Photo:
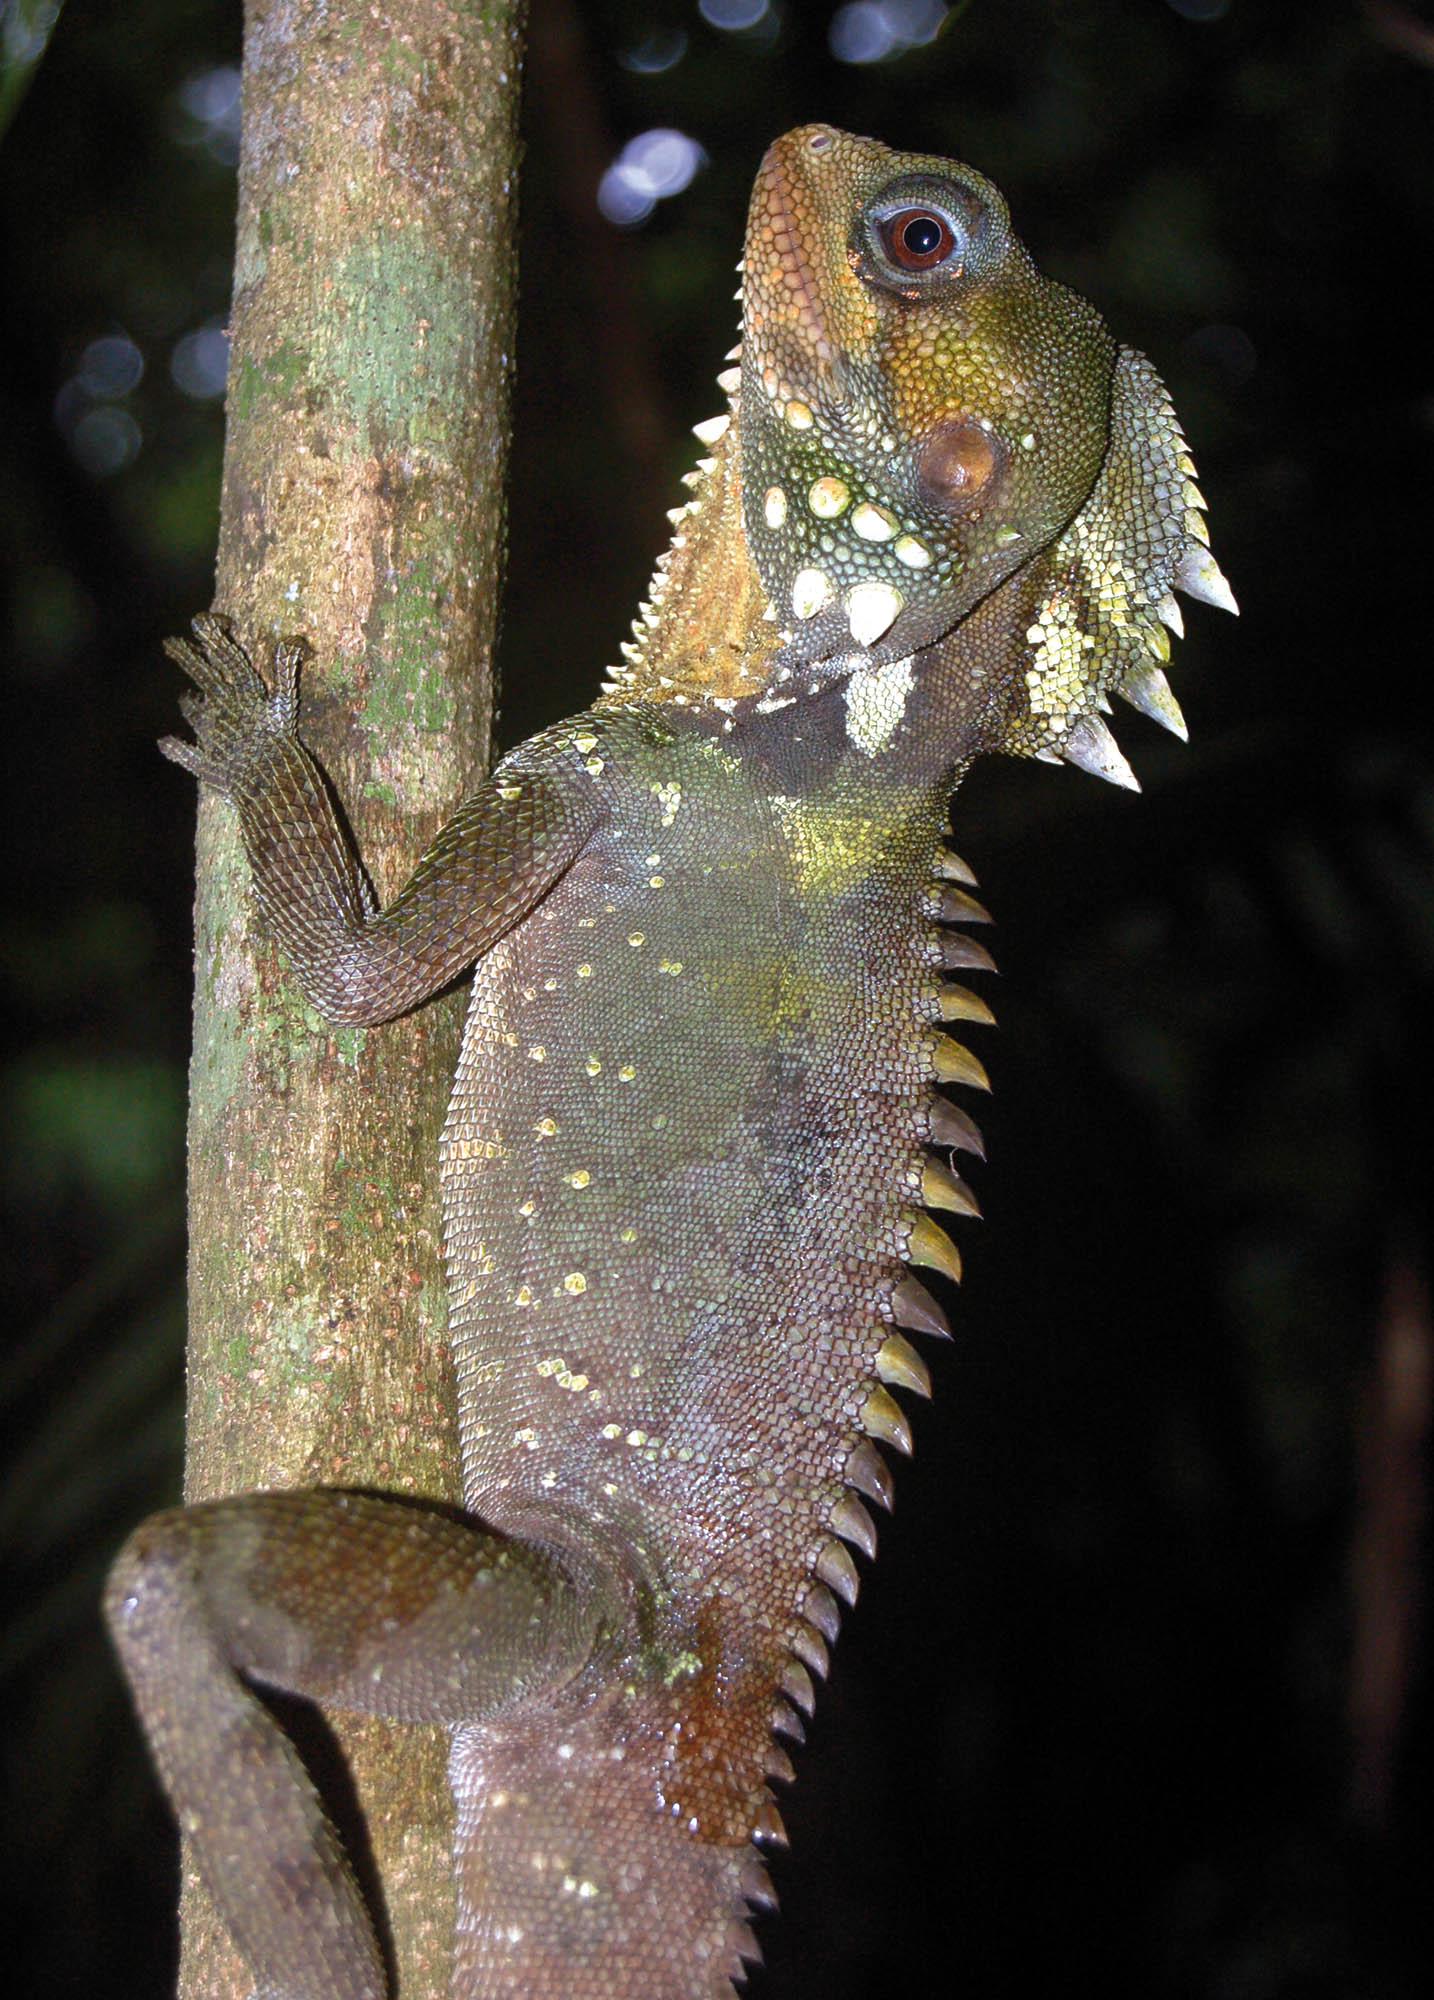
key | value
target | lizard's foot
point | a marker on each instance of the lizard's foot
(236, 715)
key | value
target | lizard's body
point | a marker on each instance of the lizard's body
(698, 1252)
(691, 1134)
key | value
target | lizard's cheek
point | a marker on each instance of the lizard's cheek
(961, 467)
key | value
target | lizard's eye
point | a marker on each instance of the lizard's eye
(917, 239)
(921, 232)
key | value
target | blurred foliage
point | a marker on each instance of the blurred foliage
(1096, 1719)
(25, 30)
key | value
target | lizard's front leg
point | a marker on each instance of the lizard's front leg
(498, 855)
(370, 1604)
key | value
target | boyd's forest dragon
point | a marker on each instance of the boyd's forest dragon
(700, 1115)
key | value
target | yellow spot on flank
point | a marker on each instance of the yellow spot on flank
(585, 743)
(653, 860)
(510, 791)
(523, 1296)
(611, 1431)
(798, 416)
(627, 1072)
(636, 937)
(637, 1437)
(669, 797)
(552, 1364)
(672, 965)
(546, 1126)
(574, 1283)
(474, 1149)
(627, 1235)
(656, 881)
(585, 972)
(774, 507)
(528, 1207)
(828, 497)
(593, 1066)
(538, 1053)
(580, 1179)
(593, 766)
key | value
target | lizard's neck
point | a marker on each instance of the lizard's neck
(706, 641)
(702, 637)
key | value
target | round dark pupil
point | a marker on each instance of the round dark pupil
(922, 235)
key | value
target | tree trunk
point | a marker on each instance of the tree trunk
(368, 399)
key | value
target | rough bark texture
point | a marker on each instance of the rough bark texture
(372, 331)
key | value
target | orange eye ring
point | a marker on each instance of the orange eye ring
(917, 239)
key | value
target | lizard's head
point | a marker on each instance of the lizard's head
(920, 408)
(923, 415)
(937, 452)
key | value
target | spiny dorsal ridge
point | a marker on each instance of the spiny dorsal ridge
(1089, 745)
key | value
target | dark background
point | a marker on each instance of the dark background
(1137, 1699)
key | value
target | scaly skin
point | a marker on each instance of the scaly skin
(698, 1115)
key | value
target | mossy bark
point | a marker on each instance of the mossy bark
(368, 401)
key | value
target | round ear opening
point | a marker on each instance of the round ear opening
(960, 466)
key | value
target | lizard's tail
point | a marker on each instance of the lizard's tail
(581, 1876)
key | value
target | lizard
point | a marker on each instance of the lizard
(700, 1125)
